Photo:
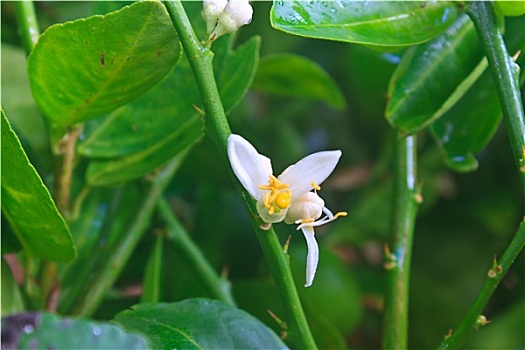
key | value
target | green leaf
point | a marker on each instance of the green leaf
(46, 331)
(11, 298)
(28, 206)
(432, 77)
(120, 170)
(198, 324)
(293, 75)
(469, 126)
(135, 138)
(152, 277)
(18, 102)
(236, 72)
(83, 69)
(377, 23)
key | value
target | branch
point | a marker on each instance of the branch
(218, 130)
(397, 262)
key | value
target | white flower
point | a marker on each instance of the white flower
(225, 16)
(287, 197)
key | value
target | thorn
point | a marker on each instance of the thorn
(390, 259)
(482, 321)
(516, 55)
(495, 270)
(281, 324)
(200, 111)
(449, 334)
(287, 244)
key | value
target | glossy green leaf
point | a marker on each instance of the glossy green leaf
(83, 69)
(120, 170)
(468, 126)
(143, 135)
(28, 206)
(432, 77)
(11, 298)
(377, 23)
(198, 324)
(47, 331)
(297, 76)
(151, 285)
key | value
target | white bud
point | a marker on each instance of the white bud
(211, 9)
(234, 15)
(308, 206)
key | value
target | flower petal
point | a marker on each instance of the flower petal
(313, 255)
(251, 168)
(313, 168)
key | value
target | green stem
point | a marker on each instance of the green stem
(152, 281)
(200, 58)
(397, 265)
(219, 287)
(217, 128)
(27, 24)
(106, 278)
(505, 74)
(499, 269)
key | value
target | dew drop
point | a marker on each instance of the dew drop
(96, 331)
(28, 329)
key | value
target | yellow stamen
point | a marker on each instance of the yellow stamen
(306, 221)
(278, 196)
(341, 213)
(315, 186)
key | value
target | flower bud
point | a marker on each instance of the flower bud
(229, 18)
(211, 9)
(308, 206)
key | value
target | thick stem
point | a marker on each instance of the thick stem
(200, 58)
(219, 287)
(217, 128)
(27, 24)
(473, 319)
(398, 258)
(107, 276)
(505, 74)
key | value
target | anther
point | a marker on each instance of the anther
(341, 213)
(315, 186)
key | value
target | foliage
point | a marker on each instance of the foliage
(116, 193)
